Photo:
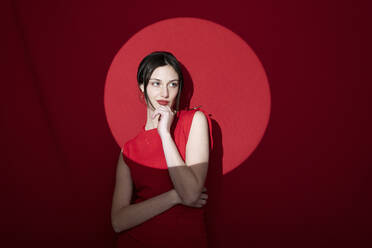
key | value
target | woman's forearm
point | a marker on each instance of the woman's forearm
(184, 179)
(135, 214)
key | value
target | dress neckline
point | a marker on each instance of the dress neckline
(149, 130)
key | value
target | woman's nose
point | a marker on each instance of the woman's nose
(164, 92)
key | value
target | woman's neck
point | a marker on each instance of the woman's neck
(151, 123)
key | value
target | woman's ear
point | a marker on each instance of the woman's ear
(141, 87)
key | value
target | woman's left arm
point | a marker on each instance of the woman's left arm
(188, 176)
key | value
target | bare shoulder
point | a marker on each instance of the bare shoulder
(121, 165)
(199, 126)
(122, 170)
(199, 120)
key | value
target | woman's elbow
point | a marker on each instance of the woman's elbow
(115, 225)
(116, 229)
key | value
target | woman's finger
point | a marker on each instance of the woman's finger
(167, 109)
(203, 196)
(156, 112)
(201, 201)
(159, 112)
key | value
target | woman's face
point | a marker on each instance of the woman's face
(163, 86)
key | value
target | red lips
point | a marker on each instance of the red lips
(162, 102)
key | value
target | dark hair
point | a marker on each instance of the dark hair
(153, 61)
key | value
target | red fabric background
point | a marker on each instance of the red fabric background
(306, 185)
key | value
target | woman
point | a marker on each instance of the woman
(159, 194)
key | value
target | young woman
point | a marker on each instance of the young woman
(159, 193)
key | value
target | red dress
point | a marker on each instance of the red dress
(179, 226)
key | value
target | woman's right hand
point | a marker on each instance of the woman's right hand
(202, 200)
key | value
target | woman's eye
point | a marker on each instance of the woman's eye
(155, 83)
(174, 84)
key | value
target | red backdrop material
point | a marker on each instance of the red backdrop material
(307, 183)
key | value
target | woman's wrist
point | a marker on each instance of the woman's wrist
(165, 135)
(174, 197)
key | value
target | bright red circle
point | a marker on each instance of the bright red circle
(228, 78)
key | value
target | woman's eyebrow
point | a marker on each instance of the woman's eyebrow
(160, 80)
